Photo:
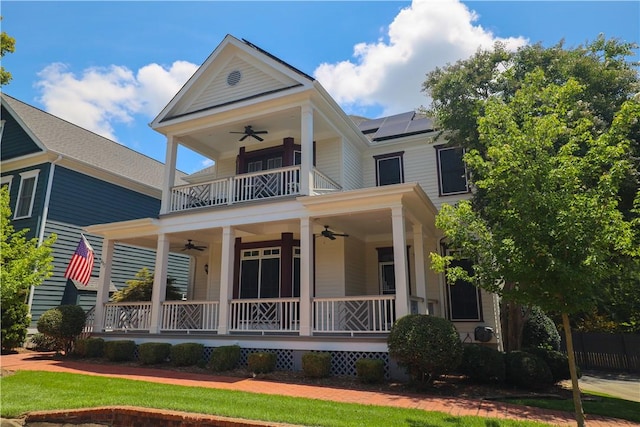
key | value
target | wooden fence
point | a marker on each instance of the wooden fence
(606, 351)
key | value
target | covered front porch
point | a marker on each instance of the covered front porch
(271, 269)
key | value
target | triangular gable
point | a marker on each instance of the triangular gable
(234, 72)
(17, 140)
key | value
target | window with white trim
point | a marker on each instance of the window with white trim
(452, 172)
(26, 194)
(260, 273)
(389, 168)
(463, 297)
(6, 180)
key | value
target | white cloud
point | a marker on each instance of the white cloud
(103, 96)
(389, 74)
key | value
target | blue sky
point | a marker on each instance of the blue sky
(111, 66)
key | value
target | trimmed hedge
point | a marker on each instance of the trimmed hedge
(557, 361)
(186, 354)
(539, 331)
(370, 370)
(261, 363)
(120, 350)
(64, 323)
(527, 370)
(90, 347)
(224, 358)
(483, 364)
(316, 364)
(151, 353)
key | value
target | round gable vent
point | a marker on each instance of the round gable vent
(234, 77)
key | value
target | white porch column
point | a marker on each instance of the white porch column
(104, 282)
(159, 282)
(306, 143)
(400, 262)
(169, 174)
(226, 278)
(306, 276)
(421, 274)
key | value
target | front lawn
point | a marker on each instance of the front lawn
(27, 391)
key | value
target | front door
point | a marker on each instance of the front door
(387, 278)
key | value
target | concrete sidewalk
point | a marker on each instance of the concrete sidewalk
(450, 405)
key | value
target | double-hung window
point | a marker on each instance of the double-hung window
(389, 168)
(463, 297)
(452, 172)
(26, 194)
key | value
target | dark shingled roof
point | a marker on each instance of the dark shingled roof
(396, 126)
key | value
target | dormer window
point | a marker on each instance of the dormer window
(389, 168)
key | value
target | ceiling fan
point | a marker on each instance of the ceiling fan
(249, 132)
(189, 245)
(331, 235)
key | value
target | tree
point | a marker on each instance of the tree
(141, 287)
(461, 92)
(22, 264)
(63, 323)
(549, 222)
(7, 45)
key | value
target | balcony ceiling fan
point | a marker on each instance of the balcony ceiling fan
(249, 132)
(189, 245)
(331, 235)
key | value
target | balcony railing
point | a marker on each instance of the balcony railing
(127, 316)
(190, 315)
(246, 187)
(362, 314)
(265, 315)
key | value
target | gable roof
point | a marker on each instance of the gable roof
(61, 137)
(242, 72)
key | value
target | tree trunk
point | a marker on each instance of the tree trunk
(577, 402)
(512, 324)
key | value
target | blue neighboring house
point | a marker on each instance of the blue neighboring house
(62, 178)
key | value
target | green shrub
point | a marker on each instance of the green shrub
(119, 350)
(151, 353)
(483, 364)
(370, 370)
(426, 346)
(540, 331)
(186, 354)
(527, 370)
(316, 364)
(224, 358)
(64, 323)
(42, 342)
(261, 363)
(557, 361)
(90, 347)
(14, 321)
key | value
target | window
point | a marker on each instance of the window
(452, 172)
(26, 194)
(6, 180)
(260, 273)
(464, 297)
(389, 169)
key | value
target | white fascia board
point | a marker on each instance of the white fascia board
(28, 160)
(125, 229)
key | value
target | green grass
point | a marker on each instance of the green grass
(28, 391)
(593, 403)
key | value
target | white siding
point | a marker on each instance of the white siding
(329, 271)
(352, 166)
(226, 167)
(328, 159)
(355, 267)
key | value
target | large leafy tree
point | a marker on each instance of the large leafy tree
(549, 222)
(140, 288)
(7, 45)
(607, 77)
(22, 264)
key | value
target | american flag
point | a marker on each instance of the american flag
(81, 264)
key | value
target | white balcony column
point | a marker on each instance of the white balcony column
(226, 278)
(306, 143)
(421, 273)
(104, 282)
(159, 282)
(306, 276)
(400, 262)
(169, 174)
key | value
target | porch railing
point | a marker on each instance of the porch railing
(360, 314)
(190, 315)
(246, 187)
(265, 315)
(132, 316)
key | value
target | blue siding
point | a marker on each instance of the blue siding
(83, 200)
(127, 260)
(15, 141)
(34, 221)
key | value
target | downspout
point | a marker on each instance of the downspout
(43, 223)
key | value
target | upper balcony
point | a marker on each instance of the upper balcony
(247, 187)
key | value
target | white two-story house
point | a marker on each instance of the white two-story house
(311, 231)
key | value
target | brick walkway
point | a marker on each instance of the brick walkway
(453, 406)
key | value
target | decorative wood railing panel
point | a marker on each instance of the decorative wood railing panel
(132, 316)
(265, 315)
(190, 315)
(354, 314)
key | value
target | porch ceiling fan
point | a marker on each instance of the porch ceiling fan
(331, 235)
(189, 245)
(249, 132)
